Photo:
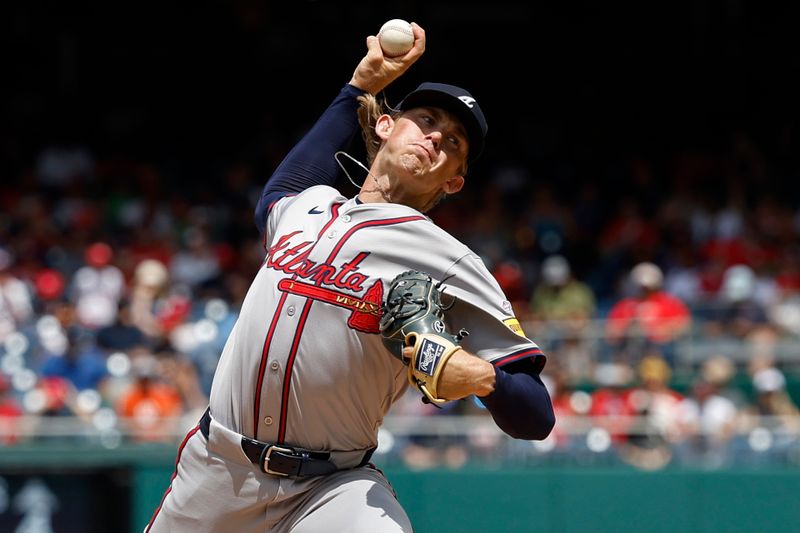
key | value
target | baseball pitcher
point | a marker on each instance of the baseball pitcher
(346, 313)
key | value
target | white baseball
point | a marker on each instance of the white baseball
(396, 37)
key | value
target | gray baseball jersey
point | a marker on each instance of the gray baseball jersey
(305, 366)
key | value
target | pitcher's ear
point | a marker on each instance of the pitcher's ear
(384, 126)
(453, 185)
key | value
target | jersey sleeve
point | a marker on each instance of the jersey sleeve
(277, 209)
(481, 307)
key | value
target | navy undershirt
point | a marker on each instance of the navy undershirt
(520, 403)
(311, 161)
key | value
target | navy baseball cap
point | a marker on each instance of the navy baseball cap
(457, 101)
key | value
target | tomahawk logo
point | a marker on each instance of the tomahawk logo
(467, 100)
(430, 352)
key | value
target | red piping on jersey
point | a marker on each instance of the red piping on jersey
(289, 365)
(262, 367)
(174, 475)
(386, 222)
(334, 216)
(287, 379)
(522, 354)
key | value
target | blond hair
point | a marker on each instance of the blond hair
(369, 110)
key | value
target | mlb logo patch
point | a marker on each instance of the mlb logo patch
(429, 354)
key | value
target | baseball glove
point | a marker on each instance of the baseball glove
(413, 315)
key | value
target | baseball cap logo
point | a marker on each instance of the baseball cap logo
(467, 100)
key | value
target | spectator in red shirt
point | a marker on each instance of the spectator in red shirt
(10, 411)
(651, 318)
(611, 407)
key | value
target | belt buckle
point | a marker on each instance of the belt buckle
(267, 458)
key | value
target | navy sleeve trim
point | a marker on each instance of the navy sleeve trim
(535, 354)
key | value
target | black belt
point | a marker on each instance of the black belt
(284, 460)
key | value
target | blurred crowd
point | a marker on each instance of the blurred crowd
(668, 305)
(115, 301)
(633, 416)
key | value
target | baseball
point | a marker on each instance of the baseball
(396, 37)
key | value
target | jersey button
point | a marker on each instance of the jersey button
(346, 218)
(268, 421)
(332, 234)
(274, 366)
(290, 310)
